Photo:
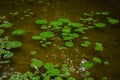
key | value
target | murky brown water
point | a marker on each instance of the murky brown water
(73, 10)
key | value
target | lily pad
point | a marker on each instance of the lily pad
(49, 66)
(99, 25)
(36, 63)
(85, 44)
(63, 20)
(98, 47)
(112, 20)
(18, 32)
(97, 60)
(14, 44)
(88, 64)
(69, 44)
(6, 25)
(47, 34)
(41, 22)
(1, 31)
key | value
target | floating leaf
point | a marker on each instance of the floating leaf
(98, 47)
(106, 63)
(112, 20)
(71, 78)
(100, 25)
(58, 78)
(87, 73)
(105, 13)
(14, 44)
(36, 37)
(97, 60)
(49, 66)
(18, 32)
(63, 20)
(6, 25)
(47, 34)
(85, 44)
(69, 44)
(56, 23)
(53, 72)
(36, 63)
(33, 52)
(66, 29)
(8, 55)
(75, 24)
(87, 65)
(41, 22)
(1, 31)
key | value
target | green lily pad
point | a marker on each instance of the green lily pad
(71, 78)
(63, 20)
(41, 22)
(112, 20)
(66, 29)
(36, 37)
(49, 66)
(8, 55)
(97, 60)
(6, 25)
(88, 65)
(99, 25)
(36, 63)
(14, 44)
(106, 63)
(98, 47)
(47, 34)
(18, 32)
(1, 31)
(69, 44)
(85, 44)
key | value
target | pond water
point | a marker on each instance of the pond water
(52, 10)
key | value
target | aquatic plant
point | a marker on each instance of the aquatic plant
(1, 31)
(63, 20)
(75, 24)
(35, 63)
(41, 22)
(87, 19)
(14, 13)
(48, 66)
(90, 78)
(85, 43)
(6, 25)
(105, 13)
(33, 52)
(66, 29)
(69, 44)
(112, 20)
(97, 60)
(88, 64)
(18, 32)
(87, 73)
(46, 35)
(14, 44)
(89, 14)
(99, 25)
(5, 46)
(98, 46)
(56, 23)
(106, 63)
(80, 29)
(37, 37)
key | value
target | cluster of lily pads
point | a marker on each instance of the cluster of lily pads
(47, 71)
(89, 64)
(26, 13)
(5, 44)
(71, 30)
